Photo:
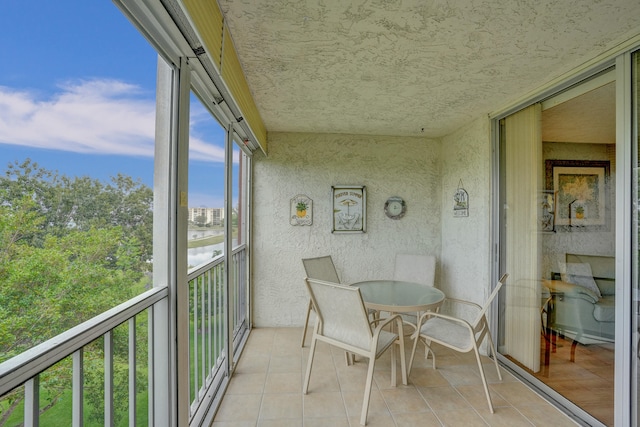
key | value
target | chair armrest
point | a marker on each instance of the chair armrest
(571, 290)
(459, 301)
(461, 309)
(429, 314)
(384, 322)
(585, 294)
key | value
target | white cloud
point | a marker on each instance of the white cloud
(93, 116)
(200, 150)
(98, 116)
(201, 124)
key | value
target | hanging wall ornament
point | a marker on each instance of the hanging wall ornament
(460, 201)
(301, 210)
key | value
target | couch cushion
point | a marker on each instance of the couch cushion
(607, 286)
(579, 274)
(605, 309)
(603, 268)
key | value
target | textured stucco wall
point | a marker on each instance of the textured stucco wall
(465, 257)
(310, 164)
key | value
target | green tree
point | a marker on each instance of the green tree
(69, 279)
(200, 220)
(70, 249)
(82, 203)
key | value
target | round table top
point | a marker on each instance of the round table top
(398, 296)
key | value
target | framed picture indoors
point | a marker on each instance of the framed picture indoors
(349, 208)
(581, 188)
(547, 211)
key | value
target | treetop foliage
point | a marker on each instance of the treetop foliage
(70, 248)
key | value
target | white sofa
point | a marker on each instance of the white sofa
(584, 314)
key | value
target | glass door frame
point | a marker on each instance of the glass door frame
(625, 387)
(625, 407)
(635, 228)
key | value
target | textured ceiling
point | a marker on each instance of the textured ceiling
(590, 117)
(411, 67)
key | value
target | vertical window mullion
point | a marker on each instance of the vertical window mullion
(217, 307)
(108, 379)
(203, 315)
(210, 322)
(132, 371)
(78, 388)
(194, 337)
(150, 366)
(32, 402)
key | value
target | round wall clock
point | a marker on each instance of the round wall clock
(395, 207)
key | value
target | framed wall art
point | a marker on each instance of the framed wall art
(547, 211)
(349, 208)
(301, 210)
(582, 200)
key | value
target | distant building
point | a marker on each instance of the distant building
(212, 216)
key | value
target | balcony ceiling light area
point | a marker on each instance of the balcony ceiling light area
(411, 67)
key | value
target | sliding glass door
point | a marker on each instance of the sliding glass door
(558, 243)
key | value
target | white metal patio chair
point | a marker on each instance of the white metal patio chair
(321, 268)
(459, 334)
(417, 269)
(343, 322)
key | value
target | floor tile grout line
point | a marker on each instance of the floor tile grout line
(462, 362)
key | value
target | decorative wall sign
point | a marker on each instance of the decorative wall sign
(301, 210)
(582, 193)
(460, 202)
(547, 212)
(349, 208)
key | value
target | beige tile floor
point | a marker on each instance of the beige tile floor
(266, 390)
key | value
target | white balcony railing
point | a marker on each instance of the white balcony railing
(20, 377)
(208, 326)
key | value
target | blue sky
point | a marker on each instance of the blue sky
(77, 95)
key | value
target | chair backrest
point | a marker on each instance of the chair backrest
(489, 300)
(341, 313)
(321, 268)
(415, 268)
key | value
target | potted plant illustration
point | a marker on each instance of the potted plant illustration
(301, 209)
(579, 212)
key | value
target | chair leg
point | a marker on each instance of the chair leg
(572, 358)
(307, 375)
(350, 357)
(484, 379)
(413, 353)
(495, 355)
(367, 391)
(427, 350)
(306, 323)
(403, 361)
(394, 365)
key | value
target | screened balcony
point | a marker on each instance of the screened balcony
(218, 341)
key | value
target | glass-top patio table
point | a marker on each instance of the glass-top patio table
(396, 296)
